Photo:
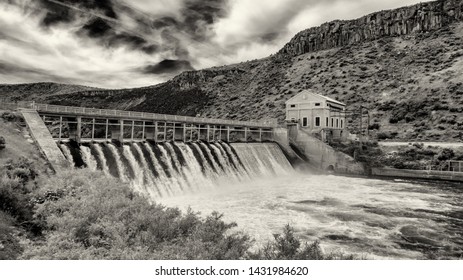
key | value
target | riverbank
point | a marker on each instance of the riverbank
(417, 174)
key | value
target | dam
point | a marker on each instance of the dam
(159, 170)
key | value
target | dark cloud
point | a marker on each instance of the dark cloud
(56, 13)
(168, 66)
(200, 14)
(62, 11)
(97, 28)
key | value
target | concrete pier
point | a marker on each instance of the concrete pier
(45, 141)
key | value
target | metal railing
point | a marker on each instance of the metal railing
(82, 111)
(449, 166)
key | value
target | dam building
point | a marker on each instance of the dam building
(317, 114)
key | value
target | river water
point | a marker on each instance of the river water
(376, 219)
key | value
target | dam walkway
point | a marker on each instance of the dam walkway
(89, 124)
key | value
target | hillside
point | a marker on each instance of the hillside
(404, 65)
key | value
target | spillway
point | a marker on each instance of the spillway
(168, 169)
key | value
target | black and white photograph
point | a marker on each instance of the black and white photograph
(220, 130)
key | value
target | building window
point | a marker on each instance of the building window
(317, 121)
(317, 104)
(337, 123)
(327, 122)
(293, 105)
(341, 123)
(332, 122)
(305, 122)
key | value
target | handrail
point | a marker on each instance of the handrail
(48, 108)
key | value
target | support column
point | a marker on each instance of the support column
(228, 134)
(121, 131)
(208, 133)
(143, 131)
(165, 131)
(184, 133)
(191, 134)
(260, 134)
(106, 130)
(245, 134)
(132, 132)
(156, 132)
(60, 128)
(79, 129)
(93, 129)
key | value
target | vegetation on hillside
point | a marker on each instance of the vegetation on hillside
(419, 157)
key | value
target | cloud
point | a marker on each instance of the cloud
(168, 66)
(130, 43)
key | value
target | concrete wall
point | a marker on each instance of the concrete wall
(417, 174)
(319, 154)
(280, 135)
(42, 136)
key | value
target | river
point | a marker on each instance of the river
(375, 219)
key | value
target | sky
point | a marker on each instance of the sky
(135, 43)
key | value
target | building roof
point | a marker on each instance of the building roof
(317, 95)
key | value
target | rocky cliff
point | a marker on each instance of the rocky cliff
(403, 21)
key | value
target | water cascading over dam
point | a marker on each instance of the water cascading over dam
(172, 168)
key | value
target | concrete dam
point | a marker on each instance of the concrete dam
(166, 155)
(167, 169)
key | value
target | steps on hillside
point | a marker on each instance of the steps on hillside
(44, 139)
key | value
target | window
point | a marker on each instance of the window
(317, 121)
(327, 122)
(305, 122)
(341, 123)
(293, 106)
(317, 104)
(337, 123)
(332, 122)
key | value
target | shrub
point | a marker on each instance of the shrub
(2, 143)
(287, 247)
(16, 192)
(89, 216)
(10, 249)
(374, 126)
(446, 154)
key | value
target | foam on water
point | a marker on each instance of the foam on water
(373, 218)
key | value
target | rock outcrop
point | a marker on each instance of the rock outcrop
(417, 18)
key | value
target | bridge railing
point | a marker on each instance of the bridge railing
(59, 109)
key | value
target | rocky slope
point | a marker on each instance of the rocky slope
(405, 66)
(403, 21)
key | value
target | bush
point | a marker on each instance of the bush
(9, 117)
(446, 154)
(2, 143)
(16, 186)
(10, 249)
(374, 126)
(89, 216)
(287, 247)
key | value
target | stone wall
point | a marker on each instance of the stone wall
(417, 18)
